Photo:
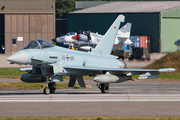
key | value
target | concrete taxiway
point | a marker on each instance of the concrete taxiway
(128, 99)
(90, 95)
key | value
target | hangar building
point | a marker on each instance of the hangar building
(24, 20)
(158, 19)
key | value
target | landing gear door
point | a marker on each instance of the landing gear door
(57, 78)
(58, 69)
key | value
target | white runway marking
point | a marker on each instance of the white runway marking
(91, 98)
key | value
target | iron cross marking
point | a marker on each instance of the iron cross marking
(67, 58)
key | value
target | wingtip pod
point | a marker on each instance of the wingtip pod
(167, 70)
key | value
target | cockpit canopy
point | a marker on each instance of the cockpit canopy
(38, 44)
(71, 33)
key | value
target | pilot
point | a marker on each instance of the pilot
(89, 36)
(79, 32)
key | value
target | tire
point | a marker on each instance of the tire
(52, 87)
(46, 91)
(105, 88)
(52, 90)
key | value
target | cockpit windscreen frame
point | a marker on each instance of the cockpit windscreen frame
(38, 44)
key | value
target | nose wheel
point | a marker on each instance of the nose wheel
(104, 87)
(49, 88)
(46, 90)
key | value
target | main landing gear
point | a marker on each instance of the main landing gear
(49, 88)
(104, 87)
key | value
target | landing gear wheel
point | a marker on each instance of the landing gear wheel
(52, 90)
(52, 87)
(46, 91)
(104, 88)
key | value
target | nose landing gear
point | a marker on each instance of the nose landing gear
(49, 88)
(46, 90)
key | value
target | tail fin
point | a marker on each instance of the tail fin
(124, 35)
(105, 46)
(124, 32)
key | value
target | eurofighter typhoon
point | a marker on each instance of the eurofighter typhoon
(50, 63)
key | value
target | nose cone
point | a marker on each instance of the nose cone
(76, 37)
(54, 40)
(20, 57)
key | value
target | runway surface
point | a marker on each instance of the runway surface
(128, 99)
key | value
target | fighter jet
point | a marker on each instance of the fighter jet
(66, 39)
(122, 38)
(50, 62)
(72, 37)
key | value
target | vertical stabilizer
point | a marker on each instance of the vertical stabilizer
(123, 35)
(124, 32)
(105, 46)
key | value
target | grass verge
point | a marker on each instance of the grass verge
(92, 118)
(23, 85)
(10, 73)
